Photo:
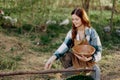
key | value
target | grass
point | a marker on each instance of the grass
(9, 62)
(48, 40)
(39, 42)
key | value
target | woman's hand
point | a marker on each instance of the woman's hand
(49, 62)
(83, 58)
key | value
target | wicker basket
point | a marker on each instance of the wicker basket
(86, 50)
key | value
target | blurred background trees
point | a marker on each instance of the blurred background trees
(38, 16)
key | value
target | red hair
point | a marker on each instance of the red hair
(84, 18)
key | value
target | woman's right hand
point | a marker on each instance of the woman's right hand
(83, 58)
(49, 62)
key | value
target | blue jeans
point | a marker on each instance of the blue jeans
(96, 75)
(66, 61)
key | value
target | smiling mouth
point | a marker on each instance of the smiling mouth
(76, 24)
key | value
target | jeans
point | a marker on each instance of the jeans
(96, 75)
(67, 64)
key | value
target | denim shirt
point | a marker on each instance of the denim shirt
(91, 36)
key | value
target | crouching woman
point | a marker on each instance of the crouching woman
(81, 34)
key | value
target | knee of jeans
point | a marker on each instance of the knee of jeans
(96, 68)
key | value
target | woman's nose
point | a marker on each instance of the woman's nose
(74, 21)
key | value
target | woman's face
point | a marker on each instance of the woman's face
(76, 20)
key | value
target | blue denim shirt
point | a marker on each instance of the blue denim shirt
(91, 36)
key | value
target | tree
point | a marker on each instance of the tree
(112, 13)
(86, 5)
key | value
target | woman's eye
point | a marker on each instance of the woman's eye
(76, 19)
(72, 19)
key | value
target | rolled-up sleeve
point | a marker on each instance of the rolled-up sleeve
(96, 43)
(65, 46)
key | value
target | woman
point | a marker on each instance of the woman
(81, 30)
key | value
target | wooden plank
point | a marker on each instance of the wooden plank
(2, 74)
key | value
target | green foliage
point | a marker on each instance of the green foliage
(19, 30)
(52, 32)
(27, 27)
(7, 63)
(80, 77)
(17, 57)
(45, 39)
(1, 19)
(32, 37)
(99, 21)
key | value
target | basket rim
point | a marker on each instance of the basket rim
(78, 53)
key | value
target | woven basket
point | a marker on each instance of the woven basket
(86, 50)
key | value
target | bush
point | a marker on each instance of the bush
(80, 77)
(27, 27)
(45, 39)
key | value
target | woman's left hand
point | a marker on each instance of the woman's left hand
(86, 58)
(83, 58)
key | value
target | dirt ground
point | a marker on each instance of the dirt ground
(110, 66)
(110, 63)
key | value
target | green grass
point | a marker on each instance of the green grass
(8, 61)
(37, 14)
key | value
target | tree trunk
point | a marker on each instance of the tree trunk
(112, 13)
(85, 5)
